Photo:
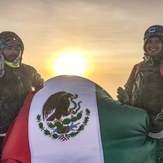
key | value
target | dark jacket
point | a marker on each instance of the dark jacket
(15, 85)
(145, 87)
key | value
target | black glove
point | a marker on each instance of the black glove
(122, 96)
(156, 129)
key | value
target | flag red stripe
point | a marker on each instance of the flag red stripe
(16, 146)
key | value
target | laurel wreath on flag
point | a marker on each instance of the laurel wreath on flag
(61, 129)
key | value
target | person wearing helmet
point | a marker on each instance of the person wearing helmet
(144, 87)
(16, 80)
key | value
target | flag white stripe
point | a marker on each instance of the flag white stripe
(85, 147)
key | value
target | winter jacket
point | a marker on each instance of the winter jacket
(145, 87)
(15, 85)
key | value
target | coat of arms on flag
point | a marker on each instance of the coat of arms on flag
(61, 121)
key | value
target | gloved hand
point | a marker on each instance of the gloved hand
(122, 96)
(2, 63)
(156, 129)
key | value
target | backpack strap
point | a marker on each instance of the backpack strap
(161, 68)
(138, 68)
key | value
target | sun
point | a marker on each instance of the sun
(70, 63)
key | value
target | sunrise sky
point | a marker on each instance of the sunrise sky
(108, 34)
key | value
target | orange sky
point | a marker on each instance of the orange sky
(108, 32)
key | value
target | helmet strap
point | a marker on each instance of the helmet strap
(2, 62)
(18, 60)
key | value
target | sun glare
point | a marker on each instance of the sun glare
(70, 63)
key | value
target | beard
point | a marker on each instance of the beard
(155, 58)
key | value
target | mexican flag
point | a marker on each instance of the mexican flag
(73, 120)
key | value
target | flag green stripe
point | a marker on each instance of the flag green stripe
(123, 132)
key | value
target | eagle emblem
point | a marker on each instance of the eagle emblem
(62, 116)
